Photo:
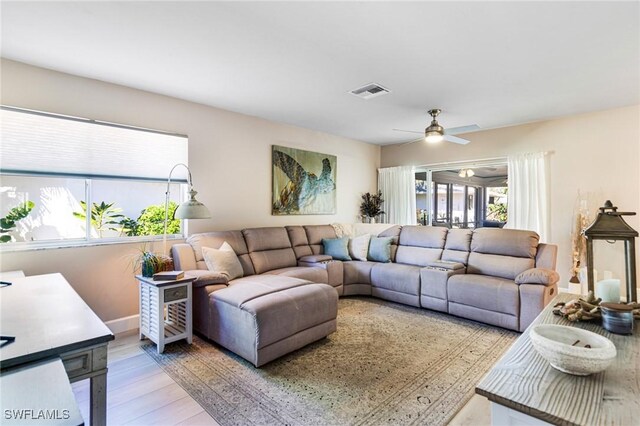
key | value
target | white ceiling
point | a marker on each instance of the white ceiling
(490, 63)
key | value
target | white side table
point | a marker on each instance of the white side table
(165, 310)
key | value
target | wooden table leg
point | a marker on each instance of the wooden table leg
(98, 398)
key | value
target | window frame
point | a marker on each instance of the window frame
(88, 241)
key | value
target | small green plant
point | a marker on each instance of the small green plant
(130, 227)
(497, 212)
(371, 205)
(8, 223)
(151, 220)
(103, 216)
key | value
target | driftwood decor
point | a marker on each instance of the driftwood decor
(586, 308)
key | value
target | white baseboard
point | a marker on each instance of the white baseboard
(120, 325)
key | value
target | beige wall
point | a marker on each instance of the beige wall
(229, 156)
(595, 153)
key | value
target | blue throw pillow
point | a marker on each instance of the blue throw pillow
(336, 248)
(380, 249)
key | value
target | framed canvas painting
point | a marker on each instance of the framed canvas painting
(304, 182)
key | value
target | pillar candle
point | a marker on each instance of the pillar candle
(608, 290)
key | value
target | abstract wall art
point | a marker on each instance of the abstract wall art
(304, 182)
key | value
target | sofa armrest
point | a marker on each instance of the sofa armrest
(205, 277)
(540, 276)
(184, 258)
(316, 258)
(446, 265)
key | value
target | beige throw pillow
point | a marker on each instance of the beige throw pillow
(223, 261)
(359, 247)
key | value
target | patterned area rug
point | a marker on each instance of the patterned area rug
(386, 364)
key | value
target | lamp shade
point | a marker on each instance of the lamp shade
(192, 209)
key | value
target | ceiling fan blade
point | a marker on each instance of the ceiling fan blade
(407, 131)
(461, 129)
(455, 139)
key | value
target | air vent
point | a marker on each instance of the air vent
(370, 91)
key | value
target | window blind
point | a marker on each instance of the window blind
(42, 143)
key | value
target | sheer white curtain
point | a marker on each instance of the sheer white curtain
(398, 186)
(528, 196)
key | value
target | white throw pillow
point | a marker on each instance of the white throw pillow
(359, 247)
(223, 261)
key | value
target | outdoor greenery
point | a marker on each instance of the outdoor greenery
(498, 211)
(105, 217)
(151, 220)
(8, 223)
(371, 205)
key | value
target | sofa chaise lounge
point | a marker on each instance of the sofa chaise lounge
(287, 297)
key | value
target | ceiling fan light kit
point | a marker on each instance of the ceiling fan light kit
(436, 133)
(466, 173)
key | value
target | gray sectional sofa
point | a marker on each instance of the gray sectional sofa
(287, 297)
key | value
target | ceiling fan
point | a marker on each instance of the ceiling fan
(436, 133)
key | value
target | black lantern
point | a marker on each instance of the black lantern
(610, 226)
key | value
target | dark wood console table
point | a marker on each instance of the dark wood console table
(49, 320)
(525, 389)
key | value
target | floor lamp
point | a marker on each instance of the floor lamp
(191, 209)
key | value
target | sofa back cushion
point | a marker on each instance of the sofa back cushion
(269, 248)
(299, 242)
(457, 246)
(215, 240)
(420, 245)
(315, 234)
(502, 253)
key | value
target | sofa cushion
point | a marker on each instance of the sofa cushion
(298, 238)
(484, 292)
(359, 247)
(315, 234)
(223, 261)
(457, 246)
(215, 240)
(506, 242)
(508, 267)
(337, 248)
(313, 274)
(268, 260)
(380, 249)
(260, 239)
(423, 236)
(357, 272)
(419, 256)
(396, 277)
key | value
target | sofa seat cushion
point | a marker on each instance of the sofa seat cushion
(357, 272)
(397, 277)
(314, 274)
(485, 292)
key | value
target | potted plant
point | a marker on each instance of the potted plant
(371, 206)
(149, 262)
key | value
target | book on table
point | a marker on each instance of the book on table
(168, 275)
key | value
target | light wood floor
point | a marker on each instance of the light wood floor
(139, 392)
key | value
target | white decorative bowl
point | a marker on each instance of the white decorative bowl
(555, 343)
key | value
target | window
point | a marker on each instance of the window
(68, 181)
(496, 204)
(454, 198)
